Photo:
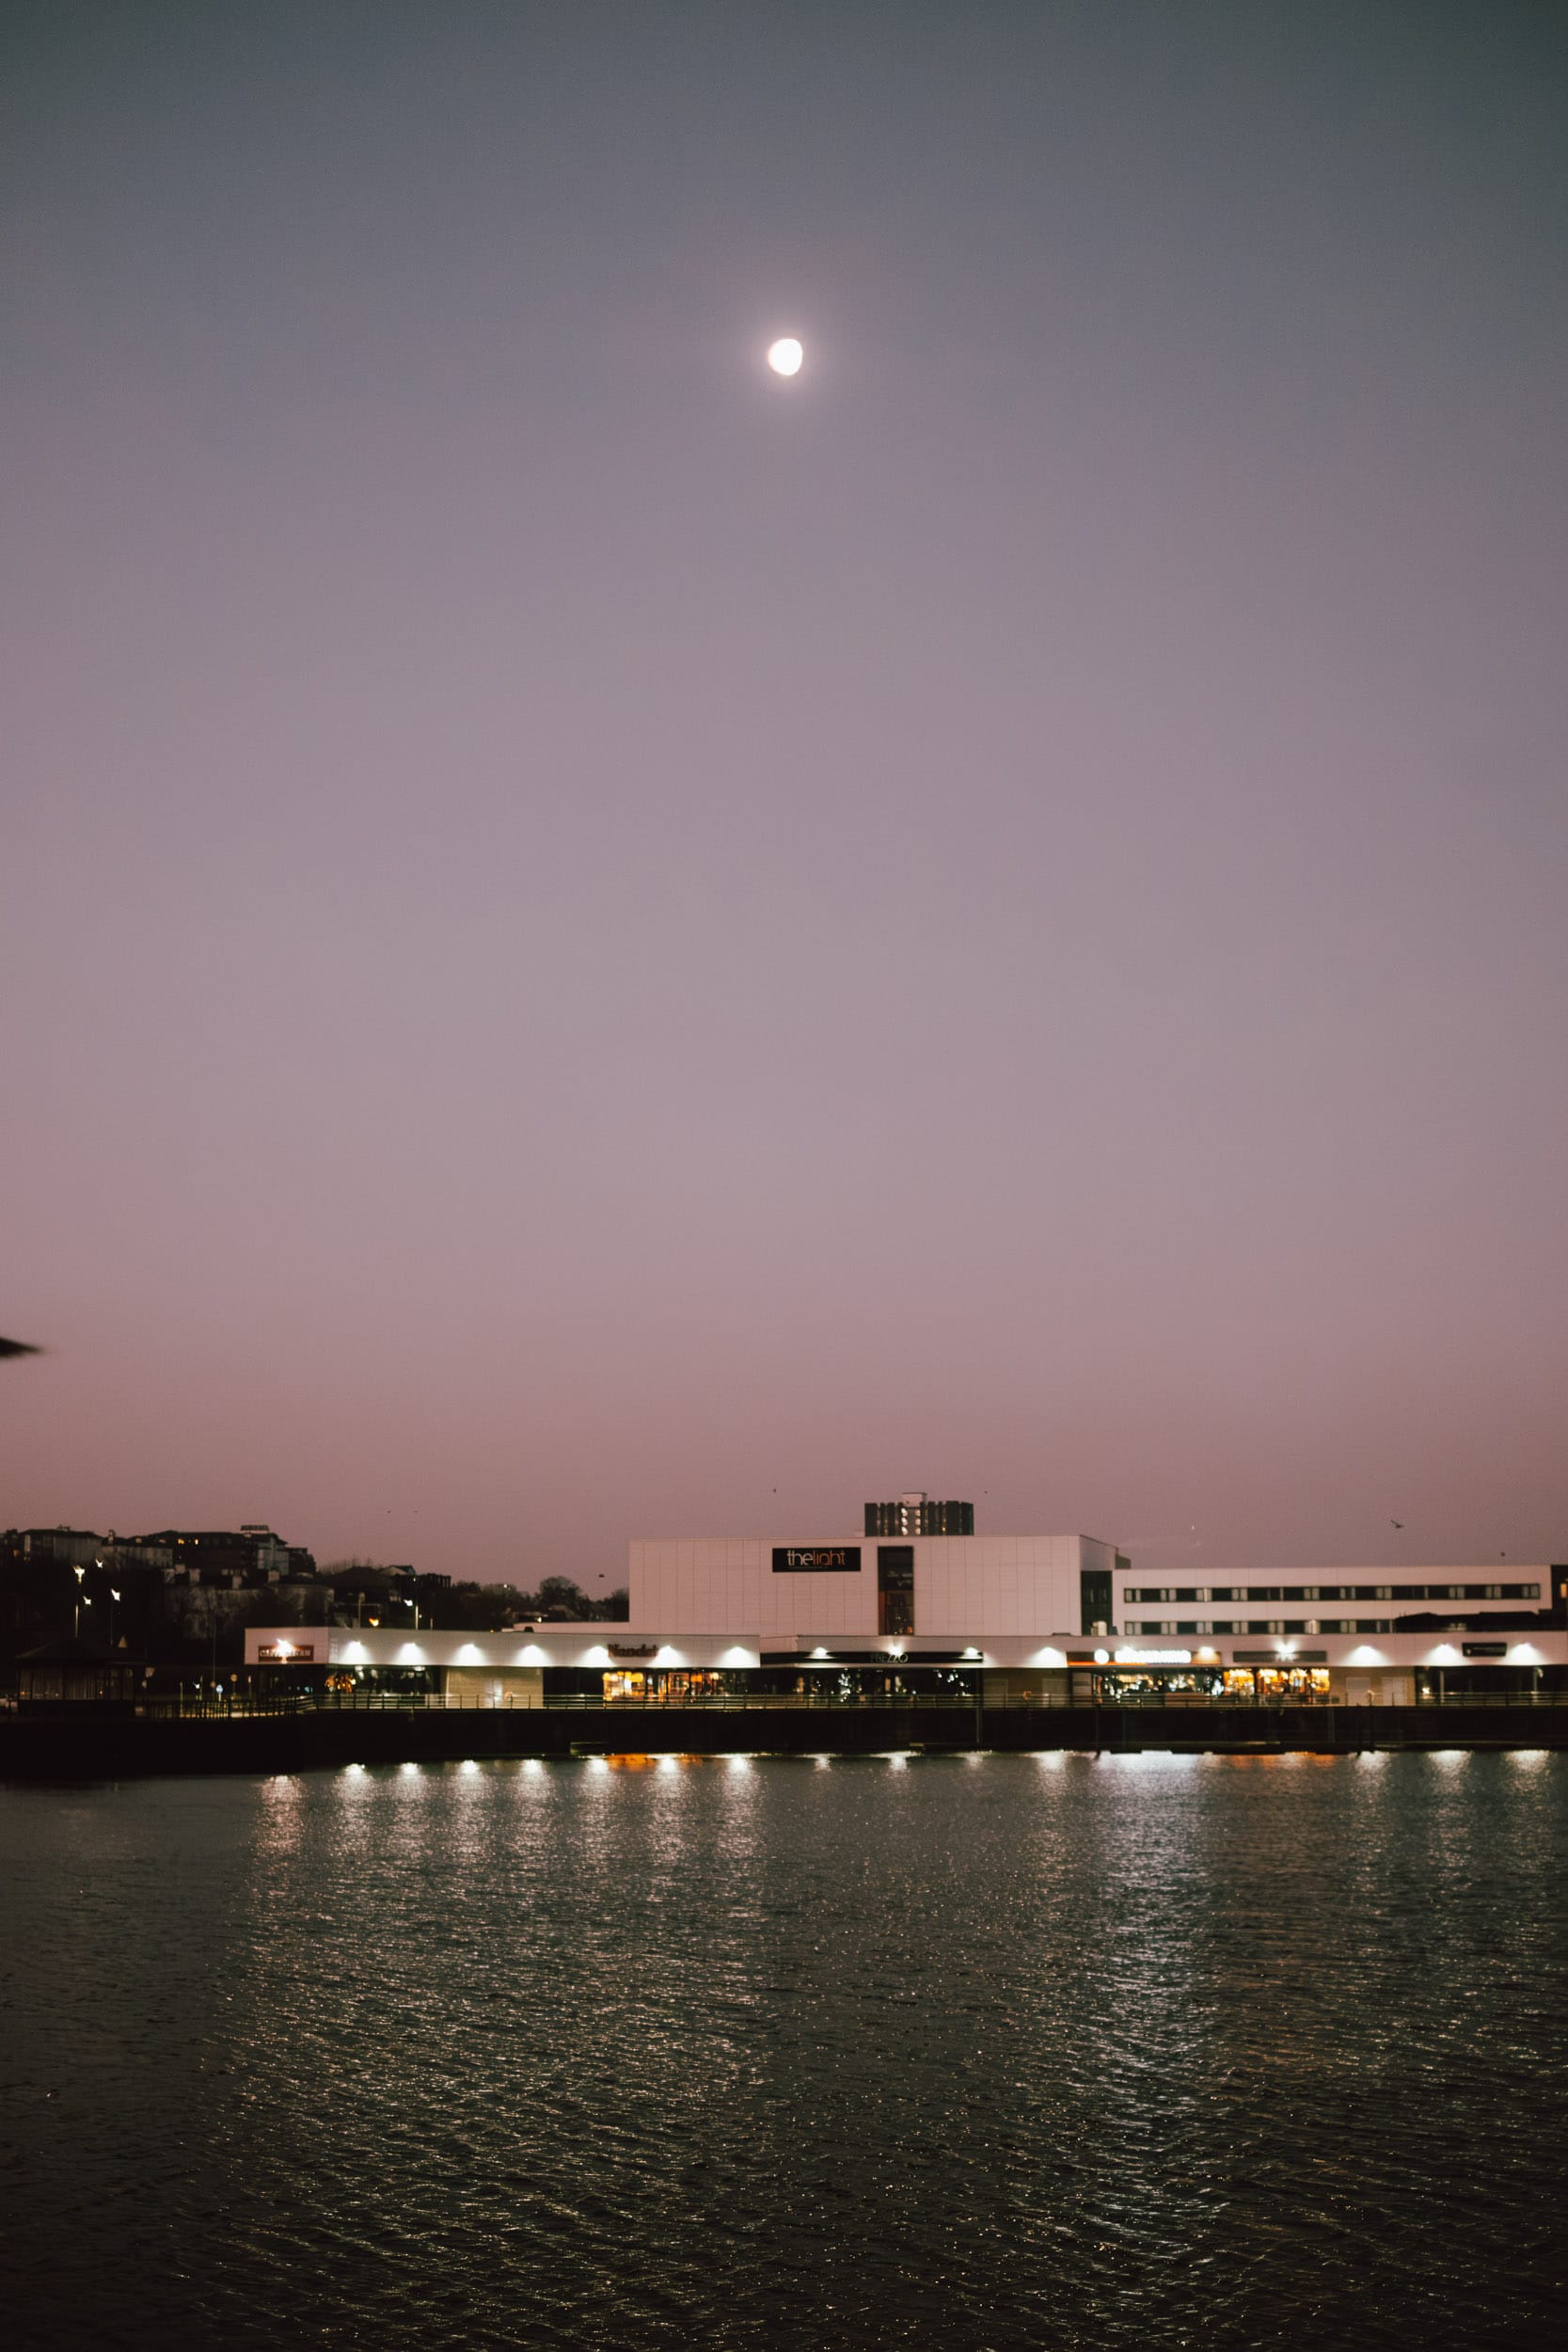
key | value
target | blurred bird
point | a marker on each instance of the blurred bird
(18, 1347)
(1396, 1522)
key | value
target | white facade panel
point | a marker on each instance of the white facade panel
(967, 1584)
(733, 1589)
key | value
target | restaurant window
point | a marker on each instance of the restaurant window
(678, 1687)
(1292, 1683)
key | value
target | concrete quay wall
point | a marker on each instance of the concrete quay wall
(59, 1748)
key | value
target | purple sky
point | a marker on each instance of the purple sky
(586, 935)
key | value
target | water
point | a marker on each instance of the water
(1005, 2051)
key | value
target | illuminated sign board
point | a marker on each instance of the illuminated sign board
(286, 1653)
(1486, 1650)
(632, 1649)
(1154, 1657)
(815, 1559)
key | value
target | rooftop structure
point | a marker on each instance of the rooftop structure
(917, 1514)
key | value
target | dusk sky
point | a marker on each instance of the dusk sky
(595, 942)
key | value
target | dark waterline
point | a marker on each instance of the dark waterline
(992, 2051)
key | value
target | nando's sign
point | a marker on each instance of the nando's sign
(815, 1559)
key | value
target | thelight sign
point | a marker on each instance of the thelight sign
(287, 1653)
(815, 1559)
(1154, 1657)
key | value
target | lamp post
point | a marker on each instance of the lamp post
(113, 1596)
(81, 1598)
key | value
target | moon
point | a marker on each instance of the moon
(786, 356)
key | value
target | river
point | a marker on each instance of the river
(780, 2052)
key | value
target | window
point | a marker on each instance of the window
(1518, 1592)
(1369, 1625)
(1263, 1592)
(896, 1588)
(1222, 1625)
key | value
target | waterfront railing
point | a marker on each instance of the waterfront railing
(195, 1706)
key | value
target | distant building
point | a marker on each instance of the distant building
(57, 1546)
(917, 1514)
(236, 1557)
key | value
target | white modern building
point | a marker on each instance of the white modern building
(952, 1587)
(1022, 1620)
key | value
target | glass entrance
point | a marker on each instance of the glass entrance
(896, 1588)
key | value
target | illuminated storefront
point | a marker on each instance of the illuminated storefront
(625, 1687)
(1302, 1686)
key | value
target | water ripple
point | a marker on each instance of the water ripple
(1178, 2051)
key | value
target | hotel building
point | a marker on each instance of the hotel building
(1006, 1620)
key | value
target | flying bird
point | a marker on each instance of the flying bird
(1396, 1522)
(18, 1347)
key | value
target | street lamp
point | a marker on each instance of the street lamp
(113, 1594)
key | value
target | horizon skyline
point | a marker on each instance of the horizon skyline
(1128, 1545)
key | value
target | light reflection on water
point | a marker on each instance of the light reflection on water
(790, 2052)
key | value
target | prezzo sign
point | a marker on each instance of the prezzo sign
(815, 1559)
